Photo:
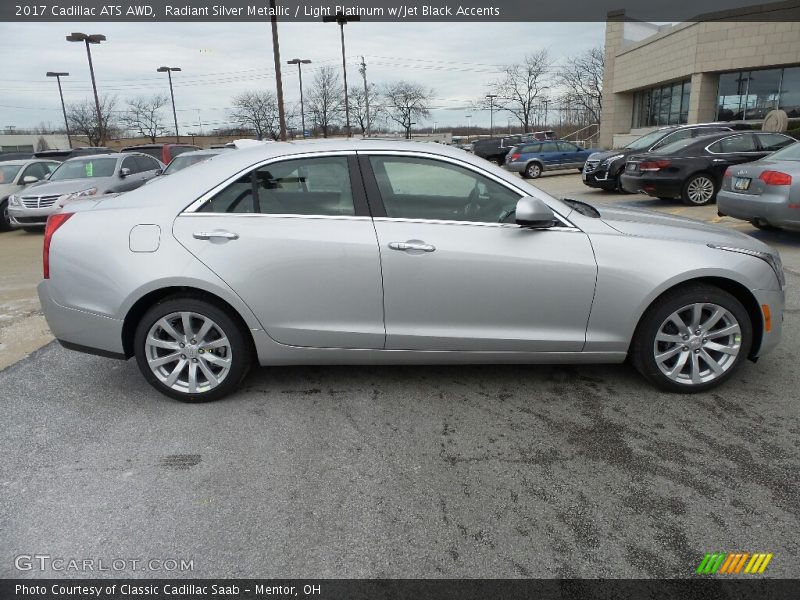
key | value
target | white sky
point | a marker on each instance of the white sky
(220, 60)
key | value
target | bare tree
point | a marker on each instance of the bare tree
(582, 77)
(359, 101)
(257, 110)
(405, 101)
(326, 99)
(82, 118)
(521, 85)
(144, 115)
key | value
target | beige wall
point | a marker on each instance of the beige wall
(699, 51)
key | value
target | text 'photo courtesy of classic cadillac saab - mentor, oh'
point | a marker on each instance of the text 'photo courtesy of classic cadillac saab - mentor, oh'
(386, 252)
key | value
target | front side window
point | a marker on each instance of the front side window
(132, 164)
(146, 163)
(307, 186)
(423, 188)
(8, 172)
(567, 147)
(38, 170)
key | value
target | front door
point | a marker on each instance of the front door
(294, 239)
(458, 274)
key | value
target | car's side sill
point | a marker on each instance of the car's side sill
(95, 351)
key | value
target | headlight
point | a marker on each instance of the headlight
(611, 159)
(76, 195)
(773, 260)
(14, 201)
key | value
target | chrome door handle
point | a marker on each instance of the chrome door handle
(211, 235)
(412, 246)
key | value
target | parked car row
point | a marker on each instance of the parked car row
(496, 149)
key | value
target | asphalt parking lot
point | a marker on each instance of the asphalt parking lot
(469, 471)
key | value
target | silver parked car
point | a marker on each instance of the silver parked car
(79, 177)
(187, 159)
(15, 175)
(765, 192)
(370, 251)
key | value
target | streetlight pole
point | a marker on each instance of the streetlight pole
(300, 62)
(58, 77)
(95, 38)
(276, 55)
(168, 71)
(343, 20)
(491, 98)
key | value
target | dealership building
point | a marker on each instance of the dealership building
(735, 65)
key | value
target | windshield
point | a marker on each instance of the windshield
(791, 152)
(84, 168)
(8, 172)
(646, 140)
(181, 162)
(674, 146)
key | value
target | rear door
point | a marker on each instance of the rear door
(294, 239)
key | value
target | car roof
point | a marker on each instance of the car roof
(85, 156)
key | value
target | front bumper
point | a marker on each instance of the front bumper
(769, 208)
(599, 178)
(652, 186)
(81, 330)
(30, 217)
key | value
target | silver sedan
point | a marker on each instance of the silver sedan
(381, 252)
(765, 192)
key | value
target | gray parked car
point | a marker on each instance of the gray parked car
(374, 251)
(765, 192)
(76, 178)
(15, 175)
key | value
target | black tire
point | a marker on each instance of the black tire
(764, 226)
(240, 347)
(695, 180)
(5, 222)
(642, 350)
(533, 170)
(33, 229)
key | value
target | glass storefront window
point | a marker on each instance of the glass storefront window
(665, 105)
(750, 95)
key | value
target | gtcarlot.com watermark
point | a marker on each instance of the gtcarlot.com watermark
(48, 563)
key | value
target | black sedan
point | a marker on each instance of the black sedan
(692, 169)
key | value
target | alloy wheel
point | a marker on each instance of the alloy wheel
(700, 190)
(534, 170)
(697, 343)
(188, 352)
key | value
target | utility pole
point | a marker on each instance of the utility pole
(168, 71)
(58, 76)
(363, 71)
(491, 98)
(276, 54)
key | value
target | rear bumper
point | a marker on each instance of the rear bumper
(81, 330)
(515, 167)
(652, 186)
(769, 208)
(775, 300)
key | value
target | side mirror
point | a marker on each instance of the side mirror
(29, 179)
(532, 212)
(124, 172)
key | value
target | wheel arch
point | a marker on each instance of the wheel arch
(735, 289)
(150, 299)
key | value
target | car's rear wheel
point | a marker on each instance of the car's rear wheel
(699, 190)
(191, 350)
(764, 226)
(5, 221)
(33, 229)
(692, 339)
(533, 170)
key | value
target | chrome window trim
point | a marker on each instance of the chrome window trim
(474, 224)
(470, 167)
(195, 206)
(276, 216)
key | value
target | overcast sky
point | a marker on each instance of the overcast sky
(458, 61)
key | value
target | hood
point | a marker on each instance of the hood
(645, 223)
(67, 186)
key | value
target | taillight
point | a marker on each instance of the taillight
(775, 178)
(654, 165)
(54, 221)
(728, 172)
(515, 156)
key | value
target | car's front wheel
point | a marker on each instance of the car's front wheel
(692, 339)
(191, 350)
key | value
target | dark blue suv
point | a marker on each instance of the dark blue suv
(532, 158)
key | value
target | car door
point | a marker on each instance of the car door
(459, 274)
(572, 156)
(550, 155)
(733, 150)
(148, 167)
(294, 239)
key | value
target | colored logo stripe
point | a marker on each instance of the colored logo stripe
(726, 563)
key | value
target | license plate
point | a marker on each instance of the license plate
(741, 183)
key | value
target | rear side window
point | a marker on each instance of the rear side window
(309, 186)
(774, 141)
(549, 147)
(531, 148)
(733, 144)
